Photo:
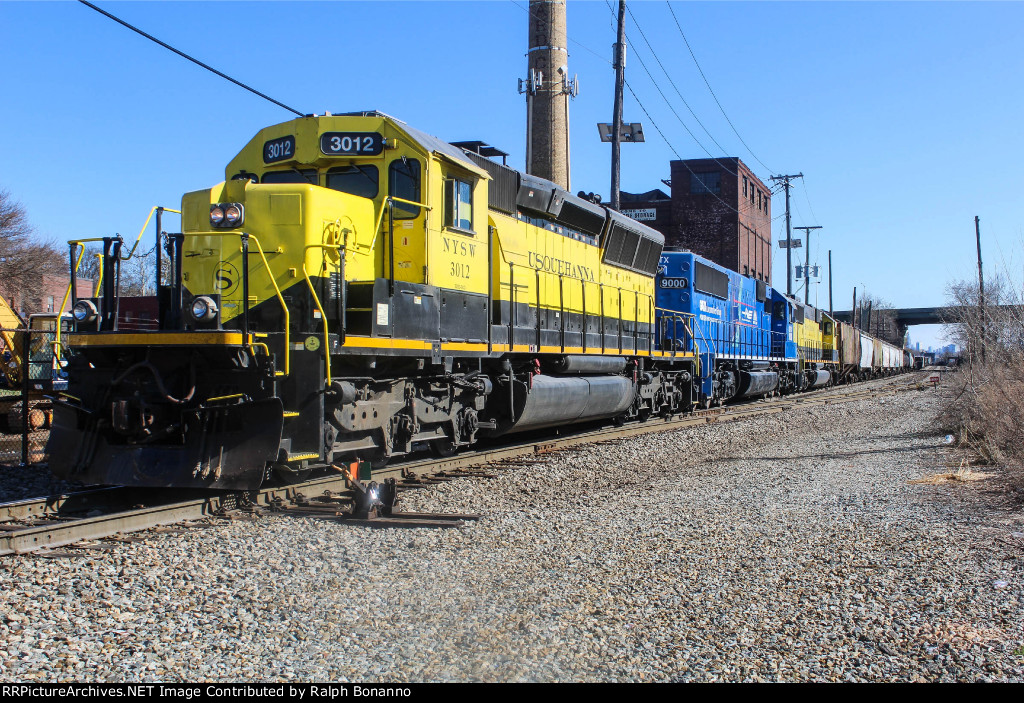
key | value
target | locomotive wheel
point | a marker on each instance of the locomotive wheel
(376, 459)
(443, 448)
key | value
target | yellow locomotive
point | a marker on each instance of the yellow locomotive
(357, 288)
(814, 334)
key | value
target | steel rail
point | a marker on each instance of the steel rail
(46, 533)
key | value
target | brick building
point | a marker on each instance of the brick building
(652, 208)
(722, 211)
(48, 296)
(718, 209)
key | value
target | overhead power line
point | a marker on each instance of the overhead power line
(708, 84)
(668, 102)
(672, 82)
(670, 146)
(190, 58)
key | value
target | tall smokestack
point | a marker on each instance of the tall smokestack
(547, 89)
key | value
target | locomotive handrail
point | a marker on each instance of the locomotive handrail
(601, 286)
(380, 217)
(316, 299)
(67, 294)
(692, 316)
(273, 282)
(78, 263)
(142, 231)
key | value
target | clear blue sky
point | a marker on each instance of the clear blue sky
(905, 118)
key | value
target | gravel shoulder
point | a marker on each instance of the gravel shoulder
(793, 547)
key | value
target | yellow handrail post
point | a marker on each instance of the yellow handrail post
(316, 299)
(284, 307)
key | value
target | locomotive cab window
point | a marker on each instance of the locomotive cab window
(292, 175)
(458, 204)
(361, 180)
(404, 183)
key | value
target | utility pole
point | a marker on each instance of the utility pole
(981, 287)
(830, 313)
(807, 261)
(620, 79)
(789, 232)
(618, 131)
(853, 310)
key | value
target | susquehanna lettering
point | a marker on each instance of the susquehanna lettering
(562, 267)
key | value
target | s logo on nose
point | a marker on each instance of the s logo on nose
(225, 278)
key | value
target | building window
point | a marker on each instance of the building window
(458, 204)
(744, 186)
(709, 182)
(49, 304)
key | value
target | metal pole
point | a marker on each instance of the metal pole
(831, 314)
(26, 348)
(73, 248)
(807, 261)
(620, 65)
(807, 266)
(789, 232)
(789, 247)
(981, 286)
(853, 310)
(159, 256)
(159, 228)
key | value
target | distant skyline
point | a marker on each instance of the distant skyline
(903, 117)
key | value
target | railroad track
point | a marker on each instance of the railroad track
(86, 519)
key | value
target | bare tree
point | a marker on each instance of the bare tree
(987, 409)
(876, 317)
(137, 274)
(24, 260)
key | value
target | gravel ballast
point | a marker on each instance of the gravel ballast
(785, 547)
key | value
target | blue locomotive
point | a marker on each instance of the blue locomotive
(740, 328)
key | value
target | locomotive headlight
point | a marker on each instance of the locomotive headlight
(203, 309)
(216, 215)
(233, 215)
(84, 311)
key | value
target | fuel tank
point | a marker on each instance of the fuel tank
(581, 363)
(754, 383)
(817, 379)
(560, 400)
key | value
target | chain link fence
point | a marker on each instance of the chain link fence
(31, 375)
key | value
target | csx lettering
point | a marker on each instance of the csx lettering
(562, 267)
